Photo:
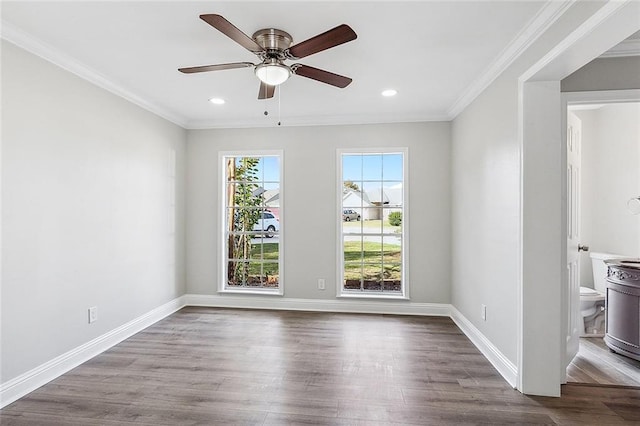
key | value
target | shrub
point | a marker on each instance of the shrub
(395, 218)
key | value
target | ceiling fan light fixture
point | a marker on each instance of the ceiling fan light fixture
(273, 47)
(273, 74)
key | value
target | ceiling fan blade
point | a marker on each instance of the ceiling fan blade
(231, 31)
(218, 67)
(321, 75)
(334, 37)
(266, 91)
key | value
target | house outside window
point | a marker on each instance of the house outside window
(252, 222)
(372, 223)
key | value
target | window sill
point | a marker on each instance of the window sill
(373, 296)
(276, 292)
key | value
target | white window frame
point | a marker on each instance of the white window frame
(222, 257)
(340, 292)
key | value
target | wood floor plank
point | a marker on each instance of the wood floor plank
(204, 366)
(596, 364)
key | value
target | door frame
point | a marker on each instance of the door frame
(585, 98)
(542, 195)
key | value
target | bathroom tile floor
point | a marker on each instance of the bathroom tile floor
(595, 364)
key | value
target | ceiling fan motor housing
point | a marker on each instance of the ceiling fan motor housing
(274, 42)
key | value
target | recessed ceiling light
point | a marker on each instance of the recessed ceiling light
(389, 92)
(217, 101)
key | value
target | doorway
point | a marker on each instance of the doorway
(541, 340)
(609, 154)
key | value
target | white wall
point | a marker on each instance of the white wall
(310, 202)
(485, 207)
(610, 177)
(85, 211)
(486, 194)
(605, 74)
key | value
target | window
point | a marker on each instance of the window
(373, 223)
(252, 222)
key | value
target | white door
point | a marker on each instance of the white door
(572, 289)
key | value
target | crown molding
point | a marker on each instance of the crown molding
(623, 11)
(546, 16)
(624, 48)
(16, 36)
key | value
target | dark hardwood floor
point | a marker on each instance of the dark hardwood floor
(595, 364)
(204, 366)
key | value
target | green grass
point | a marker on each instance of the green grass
(364, 260)
(371, 252)
(266, 251)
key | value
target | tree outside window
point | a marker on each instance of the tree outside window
(252, 222)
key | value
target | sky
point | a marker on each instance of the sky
(378, 168)
(368, 171)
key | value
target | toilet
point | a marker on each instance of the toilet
(592, 300)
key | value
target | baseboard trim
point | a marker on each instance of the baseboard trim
(361, 306)
(506, 368)
(18, 387)
(31, 380)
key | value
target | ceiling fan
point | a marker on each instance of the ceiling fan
(273, 47)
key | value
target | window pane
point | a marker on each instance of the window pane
(256, 248)
(352, 168)
(352, 249)
(393, 193)
(252, 224)
(271, 198)
(233, 243)
(351, 225)
(372, 252)
(392, 167)
(270, 251)
(255, 277)
(271, 274)
(392, 277)
(353, 276)
(372, 248)
(392, 249)
(375, 196)
(271, 171)
(372, 167)
(238, 273)
(372, 277)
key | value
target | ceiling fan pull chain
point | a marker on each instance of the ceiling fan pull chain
(279, 110)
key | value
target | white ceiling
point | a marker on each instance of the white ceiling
(437, 55)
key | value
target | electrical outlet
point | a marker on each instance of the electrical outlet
(484, 312)
(321, 284)
(93, 314)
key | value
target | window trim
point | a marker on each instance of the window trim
(221, 224)
(340, 292)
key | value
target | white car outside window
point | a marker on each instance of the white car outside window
(269, 223)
